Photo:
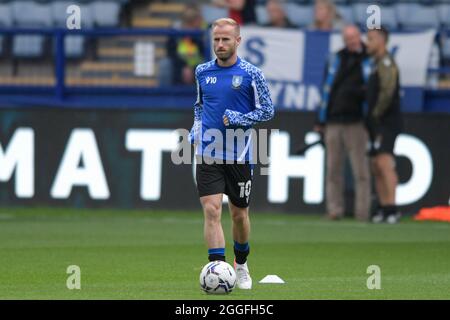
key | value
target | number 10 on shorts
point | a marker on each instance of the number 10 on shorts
(246, 188)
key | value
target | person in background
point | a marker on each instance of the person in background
(241, 11)
(277, 15)
(326, 17)
(341, 120)
(384, 123)
(185, 53)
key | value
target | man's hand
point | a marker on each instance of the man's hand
(374, 145)
(226, 122)
(319, 128)
(229, 117)
(195, 133)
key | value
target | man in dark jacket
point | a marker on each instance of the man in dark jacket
(341, 119)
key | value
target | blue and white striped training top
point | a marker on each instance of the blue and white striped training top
(241, 93)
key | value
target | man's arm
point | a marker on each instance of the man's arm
(321, 115)
(264, 107)
(388, 73)
(194, 135)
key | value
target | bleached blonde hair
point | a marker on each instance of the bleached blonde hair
(227, 21)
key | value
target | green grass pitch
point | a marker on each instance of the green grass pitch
(159, 254)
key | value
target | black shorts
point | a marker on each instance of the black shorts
(234, 180)
(385, 142)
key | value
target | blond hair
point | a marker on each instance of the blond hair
(227, 22)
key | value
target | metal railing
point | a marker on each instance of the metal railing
(107, 67)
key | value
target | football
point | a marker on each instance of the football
(217, 277)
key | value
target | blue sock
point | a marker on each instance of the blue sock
(216, 254)
(241, 246)
(241, 251)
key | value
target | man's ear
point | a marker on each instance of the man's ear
(238, 39)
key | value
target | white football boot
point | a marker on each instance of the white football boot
(378, 218)
(244, 281)
(393, 218)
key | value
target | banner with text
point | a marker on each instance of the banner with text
(293, 62)
(122, 159)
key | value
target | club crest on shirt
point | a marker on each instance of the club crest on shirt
(236, 82)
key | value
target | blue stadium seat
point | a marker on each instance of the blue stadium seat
(261, 15)
(388, 15)
(415, 16)
(444, 14)
(403, 11)
(5, 22)
(446, 49)
(301, 16)
(106, 13)
(424, 17)
(74, 45)
(346, 13)
(28, 46)
(389, 18)
(359, 13)
(29, 14)
(5, 15)
(211, 13)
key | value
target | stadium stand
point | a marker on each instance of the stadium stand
(92, 59)
(299, 15)
(29, 14)
(106, 14)
(5, 22)
(211, 13)
(74, 45)
(444, 15)
(261, 15)
(346, 13)
(418, 16)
